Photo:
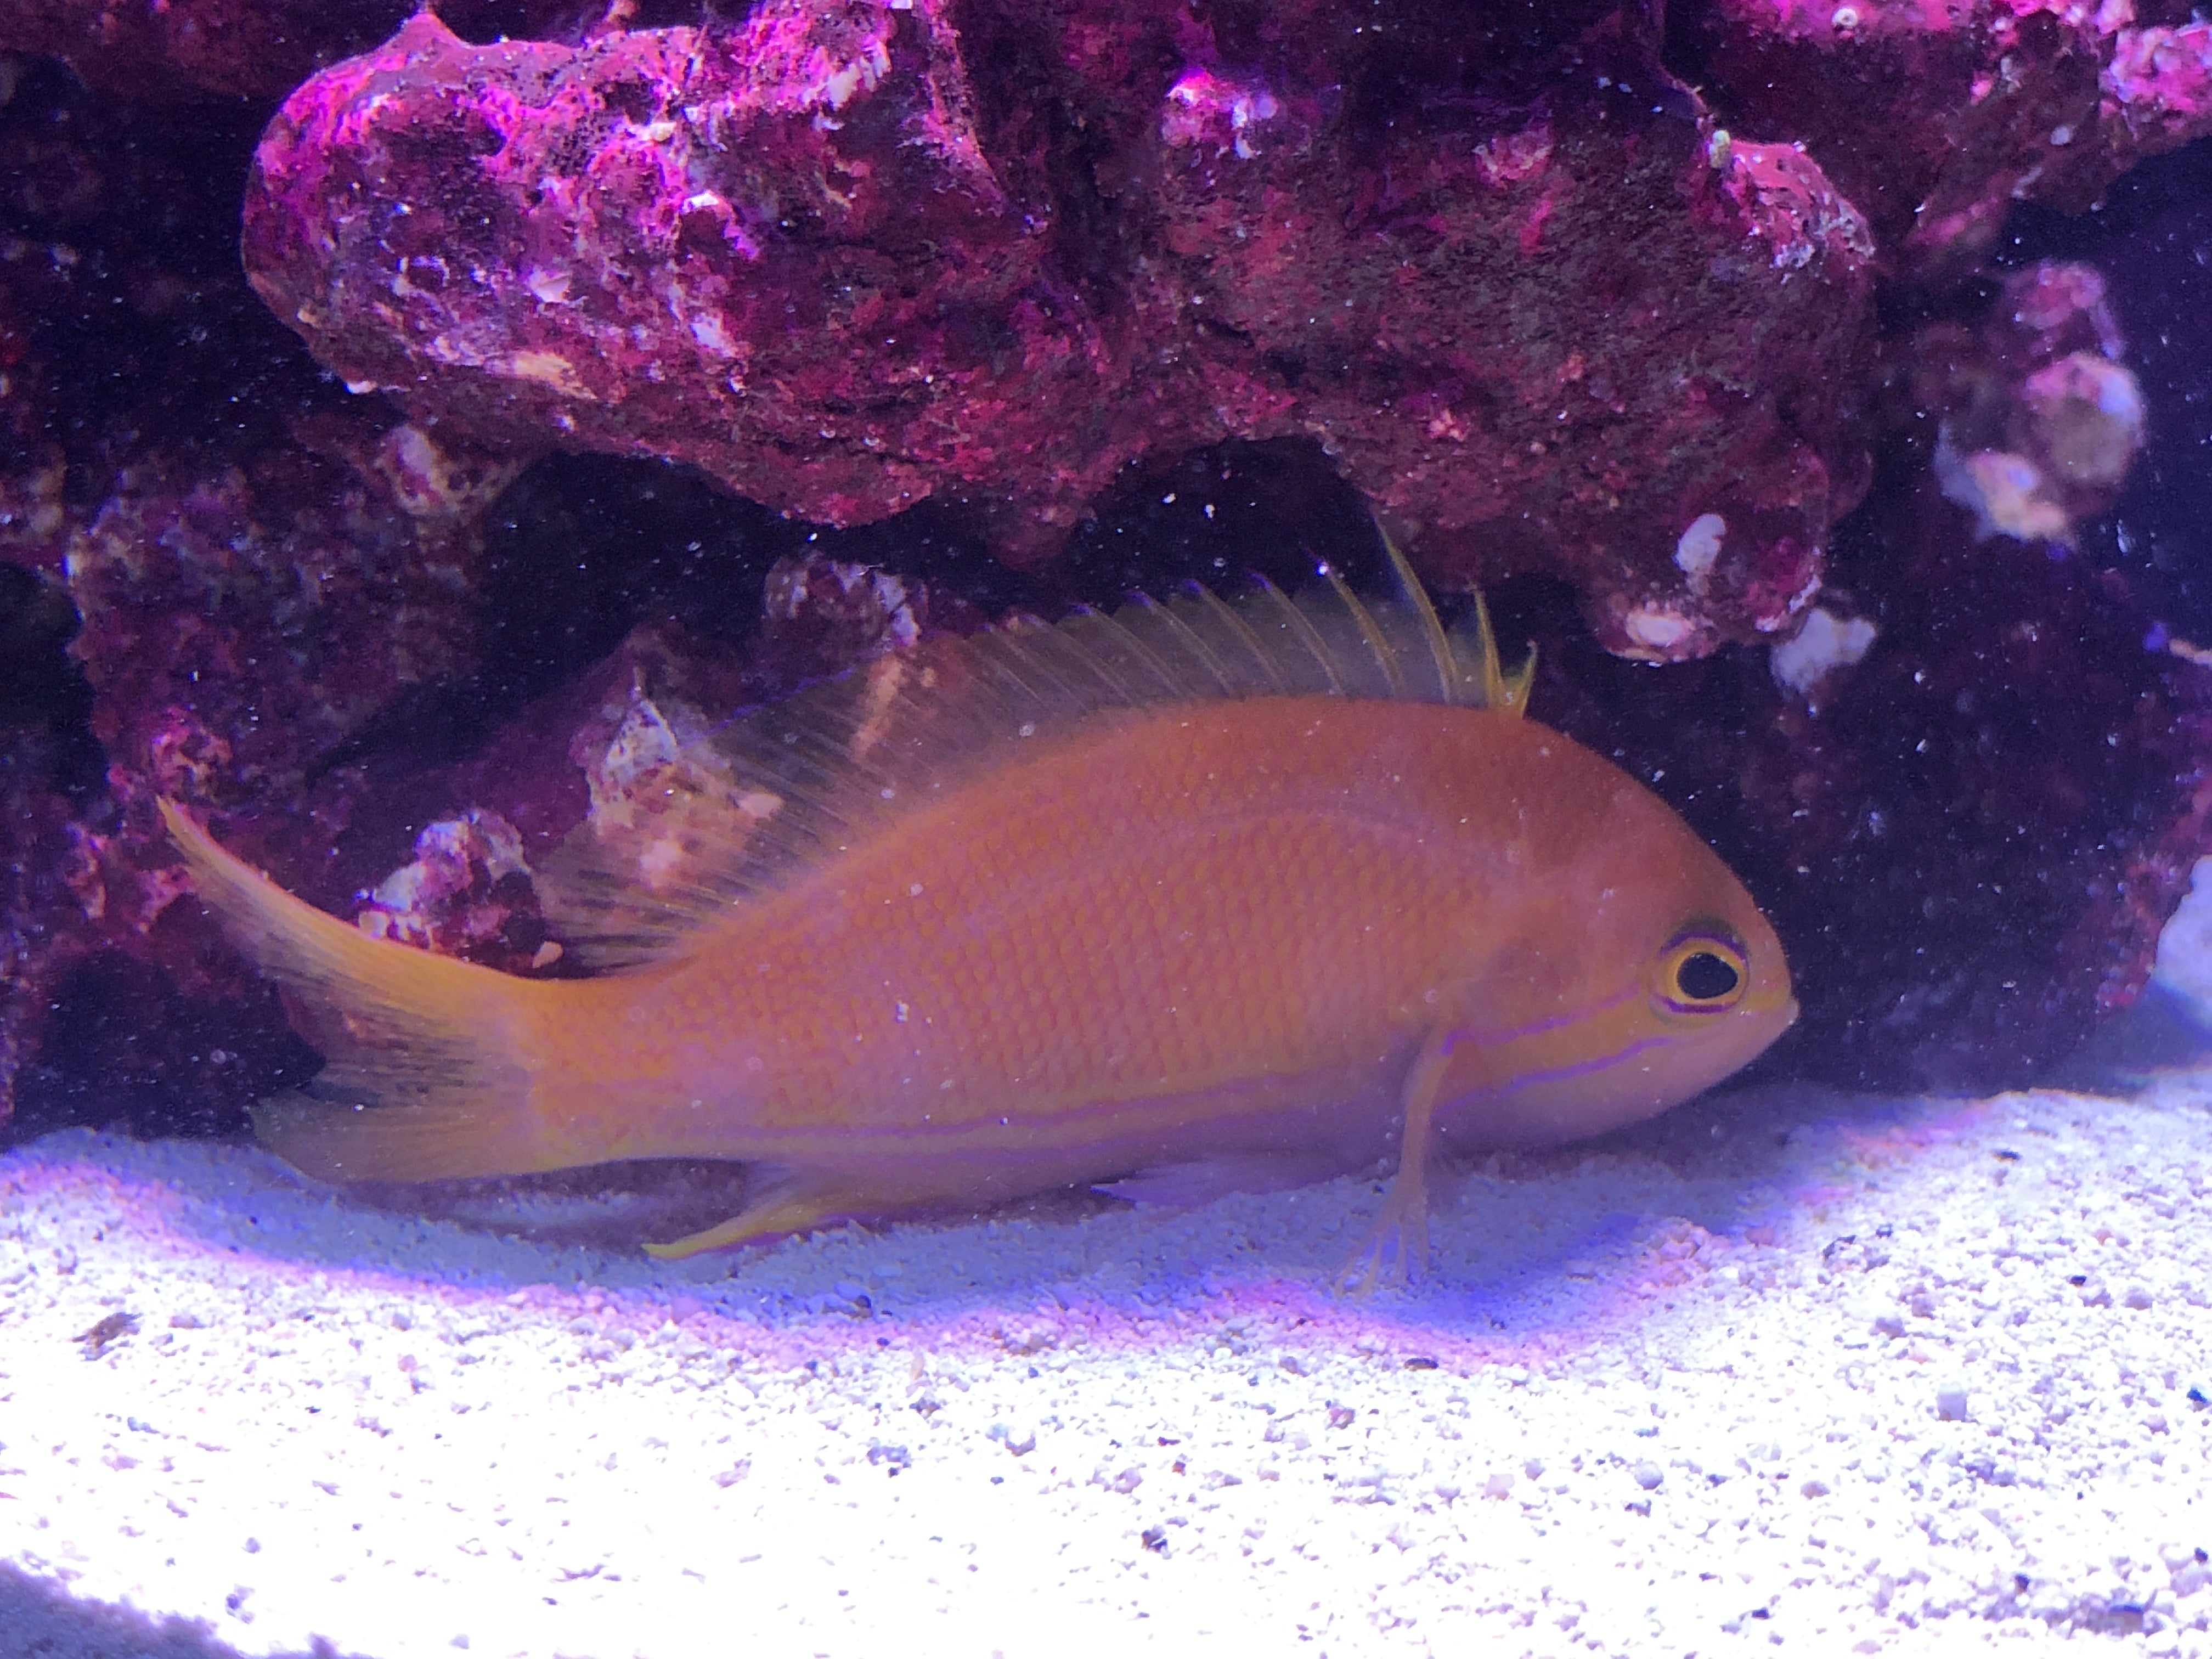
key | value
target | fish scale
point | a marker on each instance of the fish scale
(1061, 985)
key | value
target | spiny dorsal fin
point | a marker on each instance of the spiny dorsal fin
(797, 782)
(1465, 659)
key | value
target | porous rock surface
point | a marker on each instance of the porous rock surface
(845, 256)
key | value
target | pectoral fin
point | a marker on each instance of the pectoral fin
(1396, 1250)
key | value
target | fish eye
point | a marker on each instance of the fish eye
(1701, 972)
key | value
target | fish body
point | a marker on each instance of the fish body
(1257, 938)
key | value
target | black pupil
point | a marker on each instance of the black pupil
(1704, 977)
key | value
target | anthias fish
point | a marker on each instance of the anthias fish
(1192, 898)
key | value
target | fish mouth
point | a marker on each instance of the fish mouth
(1774, 1021)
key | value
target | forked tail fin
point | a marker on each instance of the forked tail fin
(428, 1076)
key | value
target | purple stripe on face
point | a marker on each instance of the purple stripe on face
(1537, 1028)
(1709, 1007)
(1587, 1067)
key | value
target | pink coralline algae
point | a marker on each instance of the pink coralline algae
(237, 631)
(2038, 419)
(837, 257)
(189, 50)
(466, 893)
(235, 627)
(1934, 118)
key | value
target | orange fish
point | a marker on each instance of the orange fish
(1195, 897)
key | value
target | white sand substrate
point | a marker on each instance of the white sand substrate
(1831, 1375)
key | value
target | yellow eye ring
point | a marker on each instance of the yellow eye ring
(1700, 972)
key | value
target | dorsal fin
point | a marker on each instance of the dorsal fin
(790, 785)
(1468, 653)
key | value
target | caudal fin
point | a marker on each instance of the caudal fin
(427, 1078)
